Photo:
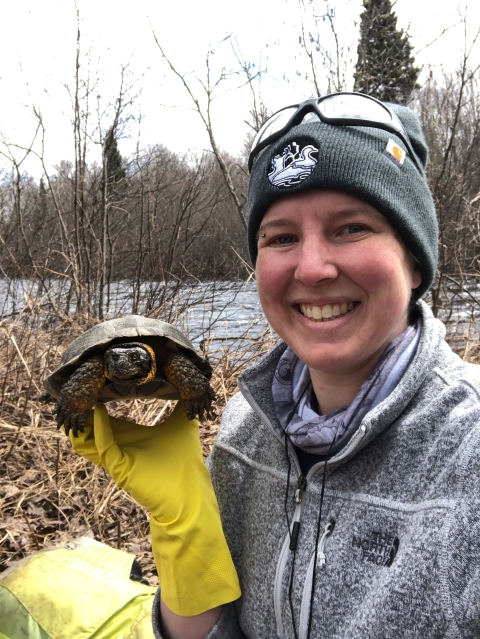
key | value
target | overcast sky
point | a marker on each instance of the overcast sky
(38, 43)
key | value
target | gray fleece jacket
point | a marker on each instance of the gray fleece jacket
(403, 558)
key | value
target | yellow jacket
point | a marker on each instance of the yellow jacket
(77, 592)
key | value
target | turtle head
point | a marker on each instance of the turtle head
(130, 364)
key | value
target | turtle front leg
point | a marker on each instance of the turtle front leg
(196, 393)
(79, 395)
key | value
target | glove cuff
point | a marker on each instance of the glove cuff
(195, 567)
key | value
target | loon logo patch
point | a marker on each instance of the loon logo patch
(394, 153)
(377, 548)
(293, 166)
(284, 373)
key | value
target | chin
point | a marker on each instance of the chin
(344, 357)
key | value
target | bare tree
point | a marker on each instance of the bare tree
(328, 57)
(209, 87)
(449, 107)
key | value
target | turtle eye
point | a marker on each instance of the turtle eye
(132, 357)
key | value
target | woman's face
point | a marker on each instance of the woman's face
(334, 279)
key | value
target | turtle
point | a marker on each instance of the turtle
(124, 358)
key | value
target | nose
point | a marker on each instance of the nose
(316, 261)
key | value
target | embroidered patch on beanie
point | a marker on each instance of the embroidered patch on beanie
(394, 153)
(293, 165)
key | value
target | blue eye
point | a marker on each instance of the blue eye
(353, 228)
(284, 239)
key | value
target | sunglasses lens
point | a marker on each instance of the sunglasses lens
(274, 124)
(353, 106)
(311, 117)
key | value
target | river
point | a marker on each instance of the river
(228, 314)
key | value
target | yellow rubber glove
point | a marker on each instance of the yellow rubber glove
(162, 468)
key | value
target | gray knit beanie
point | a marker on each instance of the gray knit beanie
(361, 161)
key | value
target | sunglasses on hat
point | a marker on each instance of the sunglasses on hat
(339, 109)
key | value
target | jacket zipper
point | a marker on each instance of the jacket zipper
(289, 544)
(352, 444)
(307, 587)
(284, 554)
(283, 558)
(321, 559)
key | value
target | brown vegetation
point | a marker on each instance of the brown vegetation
(48, 494)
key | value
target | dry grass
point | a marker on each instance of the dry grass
(470, 352)
(48, 494)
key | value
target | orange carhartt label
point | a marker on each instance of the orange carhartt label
(394, 152)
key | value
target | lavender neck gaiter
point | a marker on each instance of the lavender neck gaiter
(293, 396)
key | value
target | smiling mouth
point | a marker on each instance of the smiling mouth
(327, 312)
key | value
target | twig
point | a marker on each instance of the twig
(160, 413)
(32, 532)
(57, 463)
(119, 533)
(14, 342)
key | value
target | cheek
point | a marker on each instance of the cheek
(387, 273)
(271, 280)
(374, 277)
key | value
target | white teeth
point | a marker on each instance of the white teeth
(326, 312)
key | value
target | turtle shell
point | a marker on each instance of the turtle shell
(97, 339)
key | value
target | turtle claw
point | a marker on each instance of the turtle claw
(190, 410)
(80, 419)
(76, 423)
(201, 406)
(69, 419)
(59, 415)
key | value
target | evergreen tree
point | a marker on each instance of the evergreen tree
(113, 163)
(385, 65)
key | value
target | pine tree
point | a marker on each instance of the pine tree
(113, 163)
(385, 65)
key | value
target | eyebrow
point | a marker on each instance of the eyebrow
(284, 222)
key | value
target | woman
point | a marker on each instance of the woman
(382, 540)
(346, 469)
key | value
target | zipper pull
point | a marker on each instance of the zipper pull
(301, 488)
(321, 559)
(297, 498)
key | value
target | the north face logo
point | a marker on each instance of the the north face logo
(377, 548)
(293, 166)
